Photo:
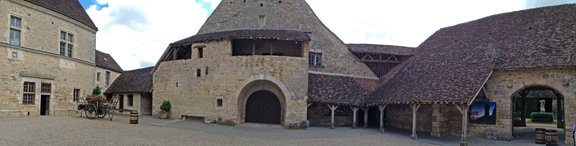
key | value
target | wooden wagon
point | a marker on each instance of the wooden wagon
(98, 109)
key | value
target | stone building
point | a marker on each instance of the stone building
(51, 58)
(134, 91)
(275, 62)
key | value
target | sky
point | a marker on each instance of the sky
(136, 32)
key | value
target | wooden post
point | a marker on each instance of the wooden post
(354, 109)
(382, 107)
(332, 108)
(414, 109)
(365, 109)
(523, 95)
(253, 47)
(464, 111)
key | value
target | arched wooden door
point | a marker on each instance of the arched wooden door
(263, 107)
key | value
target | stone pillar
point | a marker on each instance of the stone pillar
(382, 107)
(354, 109)
(440, 120)
(332, 108)
(414, 110)
(365, 109)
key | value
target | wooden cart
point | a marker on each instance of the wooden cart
(98, 109)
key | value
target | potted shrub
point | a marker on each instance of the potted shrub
(165, 110)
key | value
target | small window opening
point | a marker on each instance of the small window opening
(28, 113)
(314, 59)
(176, 84)
(14, 54)
(261, 4)
(219, 102)
(279, 1)
(198, 72)
(206, 71)
(130, 100)
(244, 0)
(200, 52)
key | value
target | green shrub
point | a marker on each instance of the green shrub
(542, 117)
(166, 105)
(97, 91)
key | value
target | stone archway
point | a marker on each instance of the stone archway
(262, 83)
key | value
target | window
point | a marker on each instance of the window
(314, 59)
(219, 102)
(206, 70)
(15, 30)
(14, 54)
(107, 78)
(200, 52)
(66, 44)
(130, 100)
(29, 96)
(98, 76)
(198, 72)
(46, 88)
(76, 95)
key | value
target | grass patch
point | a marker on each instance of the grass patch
(530, 121)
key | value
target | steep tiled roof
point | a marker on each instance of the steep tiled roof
(106, 61)
(453, 63)
(383, 49)
(69, 8)
(134, 81)
(260, 33)
(339, 89)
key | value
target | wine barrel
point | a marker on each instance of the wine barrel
(134, 117)
(539, 135)
(551, 138)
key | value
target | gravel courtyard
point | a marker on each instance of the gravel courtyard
(74, 130)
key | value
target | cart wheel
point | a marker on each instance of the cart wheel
(101, 114)
(90, 111)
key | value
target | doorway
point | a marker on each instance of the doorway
(263, 107)
(373, 117)
(121, 100)
(45, 105)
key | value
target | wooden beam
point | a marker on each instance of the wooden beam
(414, 111)
(354, 109)
(382, 107)
(464, 111)
(332, 108)
(378, 61)
(365, 109)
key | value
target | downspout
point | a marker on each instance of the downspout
(481, 87)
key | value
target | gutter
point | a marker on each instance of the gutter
(481, 87)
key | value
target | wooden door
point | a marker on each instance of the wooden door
(263, 107)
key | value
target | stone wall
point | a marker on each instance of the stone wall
(102, 82)
(227, 77)
(41, 29)
(38, 60)
(137, 102)
(319, 115)
(290, 15)
(400, 116)
(504, 83)
(446, 120)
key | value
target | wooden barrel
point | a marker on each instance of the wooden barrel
(134, 117)
(551, 138)
(539, 135)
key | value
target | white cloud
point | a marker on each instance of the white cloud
(136, 33)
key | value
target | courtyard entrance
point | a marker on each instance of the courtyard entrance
(263, 107)
(537, 107)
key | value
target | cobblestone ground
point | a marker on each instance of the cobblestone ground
(74, 130)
